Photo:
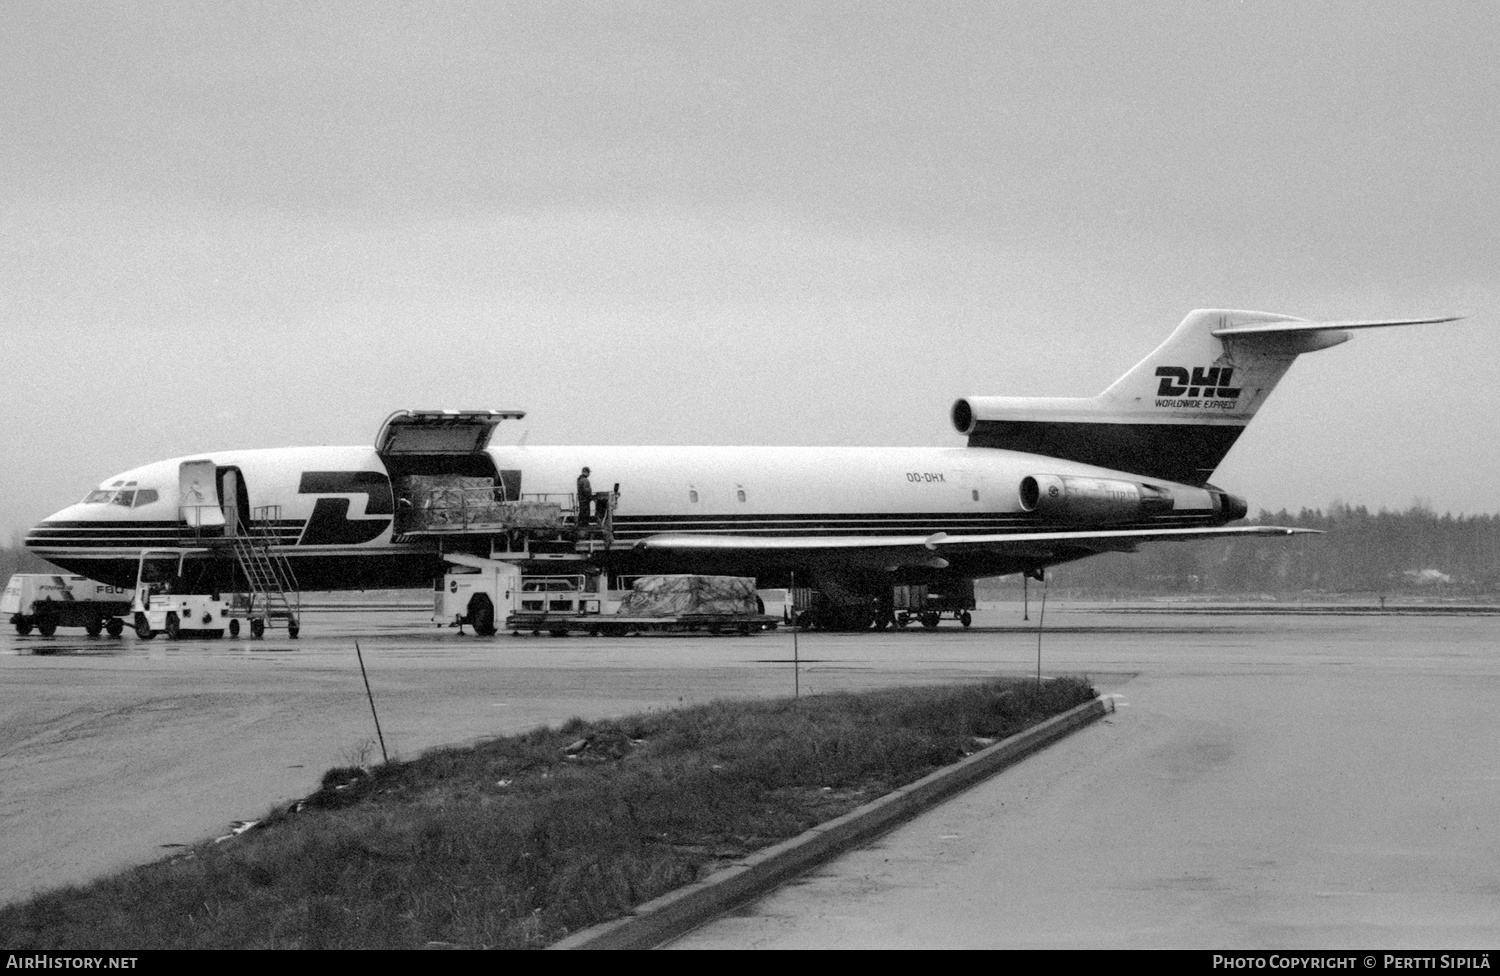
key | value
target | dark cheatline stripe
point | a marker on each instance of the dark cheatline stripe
(137, 535)
(1185, 452)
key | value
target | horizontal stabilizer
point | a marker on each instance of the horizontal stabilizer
(1274, 328)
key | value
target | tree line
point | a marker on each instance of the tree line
(1407, 552)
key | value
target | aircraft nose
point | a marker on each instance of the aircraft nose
(44, 532)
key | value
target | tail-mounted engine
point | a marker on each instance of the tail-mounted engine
(1094, 501)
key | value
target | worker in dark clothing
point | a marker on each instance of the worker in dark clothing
(585, 497)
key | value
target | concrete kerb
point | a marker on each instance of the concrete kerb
(682, 910)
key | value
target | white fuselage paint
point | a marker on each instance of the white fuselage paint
(739, 490)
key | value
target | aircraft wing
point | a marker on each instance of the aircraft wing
(908, 549)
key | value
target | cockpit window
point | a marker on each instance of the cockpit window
(126, 498)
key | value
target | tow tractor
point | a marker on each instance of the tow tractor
(157, 609)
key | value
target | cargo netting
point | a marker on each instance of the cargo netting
(676, 596)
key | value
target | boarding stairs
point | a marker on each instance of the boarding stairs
(271, 587)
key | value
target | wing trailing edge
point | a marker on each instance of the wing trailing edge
(1105, 538)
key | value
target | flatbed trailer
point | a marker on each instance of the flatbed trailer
(615, 625)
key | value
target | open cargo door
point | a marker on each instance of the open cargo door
(440, 432)
(197, 494)
(438, 459)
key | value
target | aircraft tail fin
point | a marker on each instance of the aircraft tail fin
(1176, 413)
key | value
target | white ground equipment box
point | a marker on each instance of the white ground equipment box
(47, 601)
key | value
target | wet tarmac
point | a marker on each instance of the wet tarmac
(1269, 780)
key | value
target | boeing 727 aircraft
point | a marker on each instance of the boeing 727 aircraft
(1041, 481)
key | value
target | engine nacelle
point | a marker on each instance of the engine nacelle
(1069, 498)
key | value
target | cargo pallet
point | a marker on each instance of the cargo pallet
(610, 625)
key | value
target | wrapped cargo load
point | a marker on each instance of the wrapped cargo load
(678, 596)
(458, 501)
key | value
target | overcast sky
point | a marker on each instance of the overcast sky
(262, 224)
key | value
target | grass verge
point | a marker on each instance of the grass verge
(519, 841)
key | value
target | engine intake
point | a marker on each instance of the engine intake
(1068, 498)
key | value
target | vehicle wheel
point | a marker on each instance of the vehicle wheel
(965, 619)
(805, 620)
(173, 626)
(293, 629)
(23, 624)
(95, 626)
(930, 620)
(234, 628)
(482, 615)
(257, 628)
(46, 623)
(143, 627)
(114, 627)
(903, 620)
(882, 623)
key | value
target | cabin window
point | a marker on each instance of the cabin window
(740, 494)
(975, 493)
(145, 497)
(97, 497)
(692, 495)
(124, 498)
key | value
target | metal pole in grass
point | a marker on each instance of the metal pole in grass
(1041, 619)
(796, 663)
(378, 734)
(1025, 595)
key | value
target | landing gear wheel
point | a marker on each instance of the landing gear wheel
(482, 615)
(143, 627)
(234, 628)
(930, 620)
(23, 625)
(114, 627)
(95, 626)
(257, 628)
(965, 619)
(883, 623)
(173, 626)
(293, 629)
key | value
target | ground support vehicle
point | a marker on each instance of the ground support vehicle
(918, 602)
(902, 605)
(47, 601)
(157, 609)
(492, 594)
(183, 615)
